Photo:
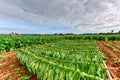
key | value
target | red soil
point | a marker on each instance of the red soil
(111, 51)
(11, 69)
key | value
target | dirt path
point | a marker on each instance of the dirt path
(112, 56)
(10, 68)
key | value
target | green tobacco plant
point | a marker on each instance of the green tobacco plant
(75, 60)
(10, 43)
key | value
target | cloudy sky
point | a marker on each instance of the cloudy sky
(59, 16)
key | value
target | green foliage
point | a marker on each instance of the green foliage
(64, 60)
(26, 77)
(10, 43)
(93, 37)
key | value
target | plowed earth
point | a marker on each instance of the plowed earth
(11, 69)
(111, 51)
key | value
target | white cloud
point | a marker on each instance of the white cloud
(77, 14)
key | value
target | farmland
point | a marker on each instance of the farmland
(10, 68)
(111, 51)
(59, 57)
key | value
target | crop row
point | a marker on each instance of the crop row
(10, 43)
(93, 37)
(55, 62)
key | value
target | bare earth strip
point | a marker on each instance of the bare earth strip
(11, 69)
(112, 56)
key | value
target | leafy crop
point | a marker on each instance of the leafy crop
(64, 60)
(10, 43)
